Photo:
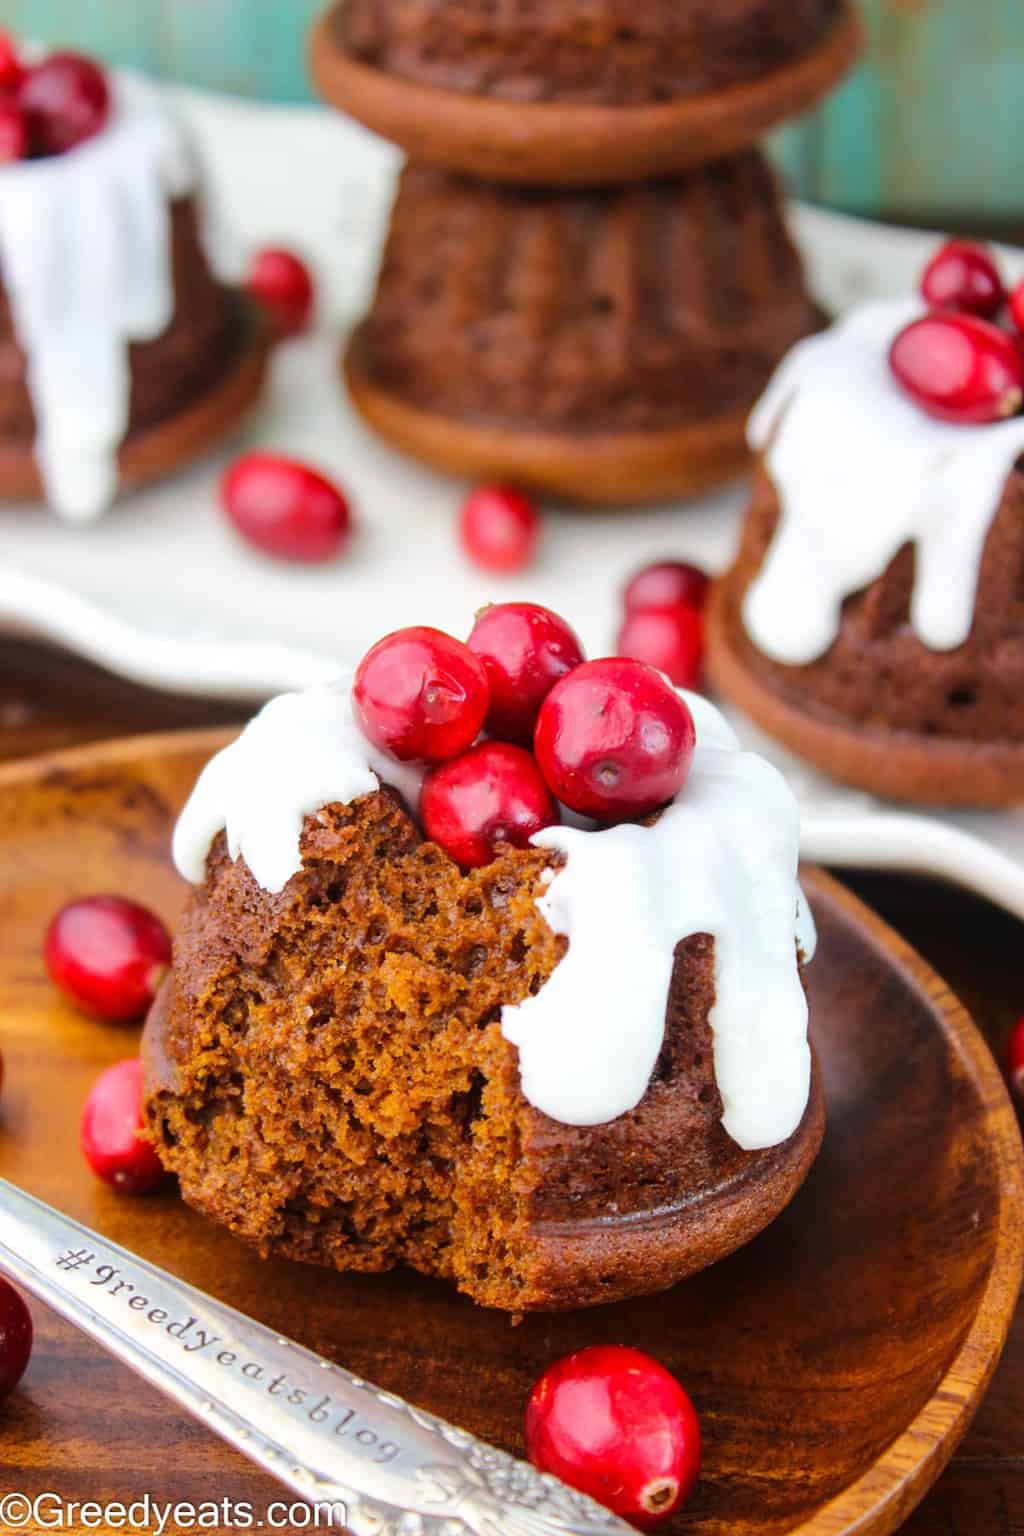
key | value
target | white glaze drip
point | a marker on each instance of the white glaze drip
(860, 471)
(85, 256)
(721, 860)
(301, 752)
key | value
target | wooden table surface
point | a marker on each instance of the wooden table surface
(48, 701)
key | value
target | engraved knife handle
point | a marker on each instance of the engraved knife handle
(384, 1467)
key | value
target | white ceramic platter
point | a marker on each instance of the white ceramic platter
(162, 592)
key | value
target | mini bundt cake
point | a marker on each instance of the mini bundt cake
(121, 355)
(365, 1055)
(609, 51)
(874, 619)
(608, 344)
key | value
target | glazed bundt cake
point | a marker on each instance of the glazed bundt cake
(576, 1073)
(116, 340)
(608, 51)
(637, 323)
(874, 618)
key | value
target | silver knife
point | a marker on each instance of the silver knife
(381, 1466)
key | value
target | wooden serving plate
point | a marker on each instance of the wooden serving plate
(835, 1362)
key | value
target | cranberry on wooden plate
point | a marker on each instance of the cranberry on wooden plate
(614, 740)
(109, 1131)
(13, 132)
(421, 695)
(1015, 1061)
(490, 796)
(285, 508)
(15, 1338)
(963, 276)
(525, 649)
(614, 1424)
(499, 528)
(280, 282)
(66, 100)
(959, 369)
(671, 639)
(108, 955)
(12, 70)
(666, 584)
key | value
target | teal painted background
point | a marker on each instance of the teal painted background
(932, 125)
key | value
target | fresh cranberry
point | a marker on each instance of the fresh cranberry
(492, 795)
(959, 369)
(66, 100)
(613, 740)
(614, 1424)
(668, 584)
(671, 639)
(108, 955)
(12, 70)
(109, 1132)
(964, 276)
(525, 649)
(15, 1338)
(282, 285)
(1017, 307)
(419, 694)
(499, 528)
(13, 132)
(1015, 1061)
(285, 508)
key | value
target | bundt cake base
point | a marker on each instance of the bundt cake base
(593, 469)
(895, 765)
(162, 447)
(558, 144)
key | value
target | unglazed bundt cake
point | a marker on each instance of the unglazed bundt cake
(874, 619)
(121, 355)
(617, 337)
(573, 1069)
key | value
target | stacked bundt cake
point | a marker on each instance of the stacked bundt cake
(589, 289)
(557, 1077)
(873, 620)
(121, 355)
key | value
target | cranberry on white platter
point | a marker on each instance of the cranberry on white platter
(666, 584)
(282, 285)
(615, 1424)
(285, 508)
(671, 639)
(499, 528)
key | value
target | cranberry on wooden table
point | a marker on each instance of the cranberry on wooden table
(285, 508)
(490, 796)
(108, 955)
(499, 528)
(964, 276)
(525, 649)
(614, 741)
(671, 639)
(420, 695)
(281, 284)
(66, 100)
(13, 132)
(960, 369)
(15, 1338)
(12, 70)
(666, 584)
(109, 1131)
(615, 1424)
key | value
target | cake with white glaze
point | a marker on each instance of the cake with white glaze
(121, 354)
(873, 620)
(576, 1073)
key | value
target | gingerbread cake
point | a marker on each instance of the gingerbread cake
(873, 620)
(612, 51)
(359, 1057)
(625, 331)
(121, 354)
